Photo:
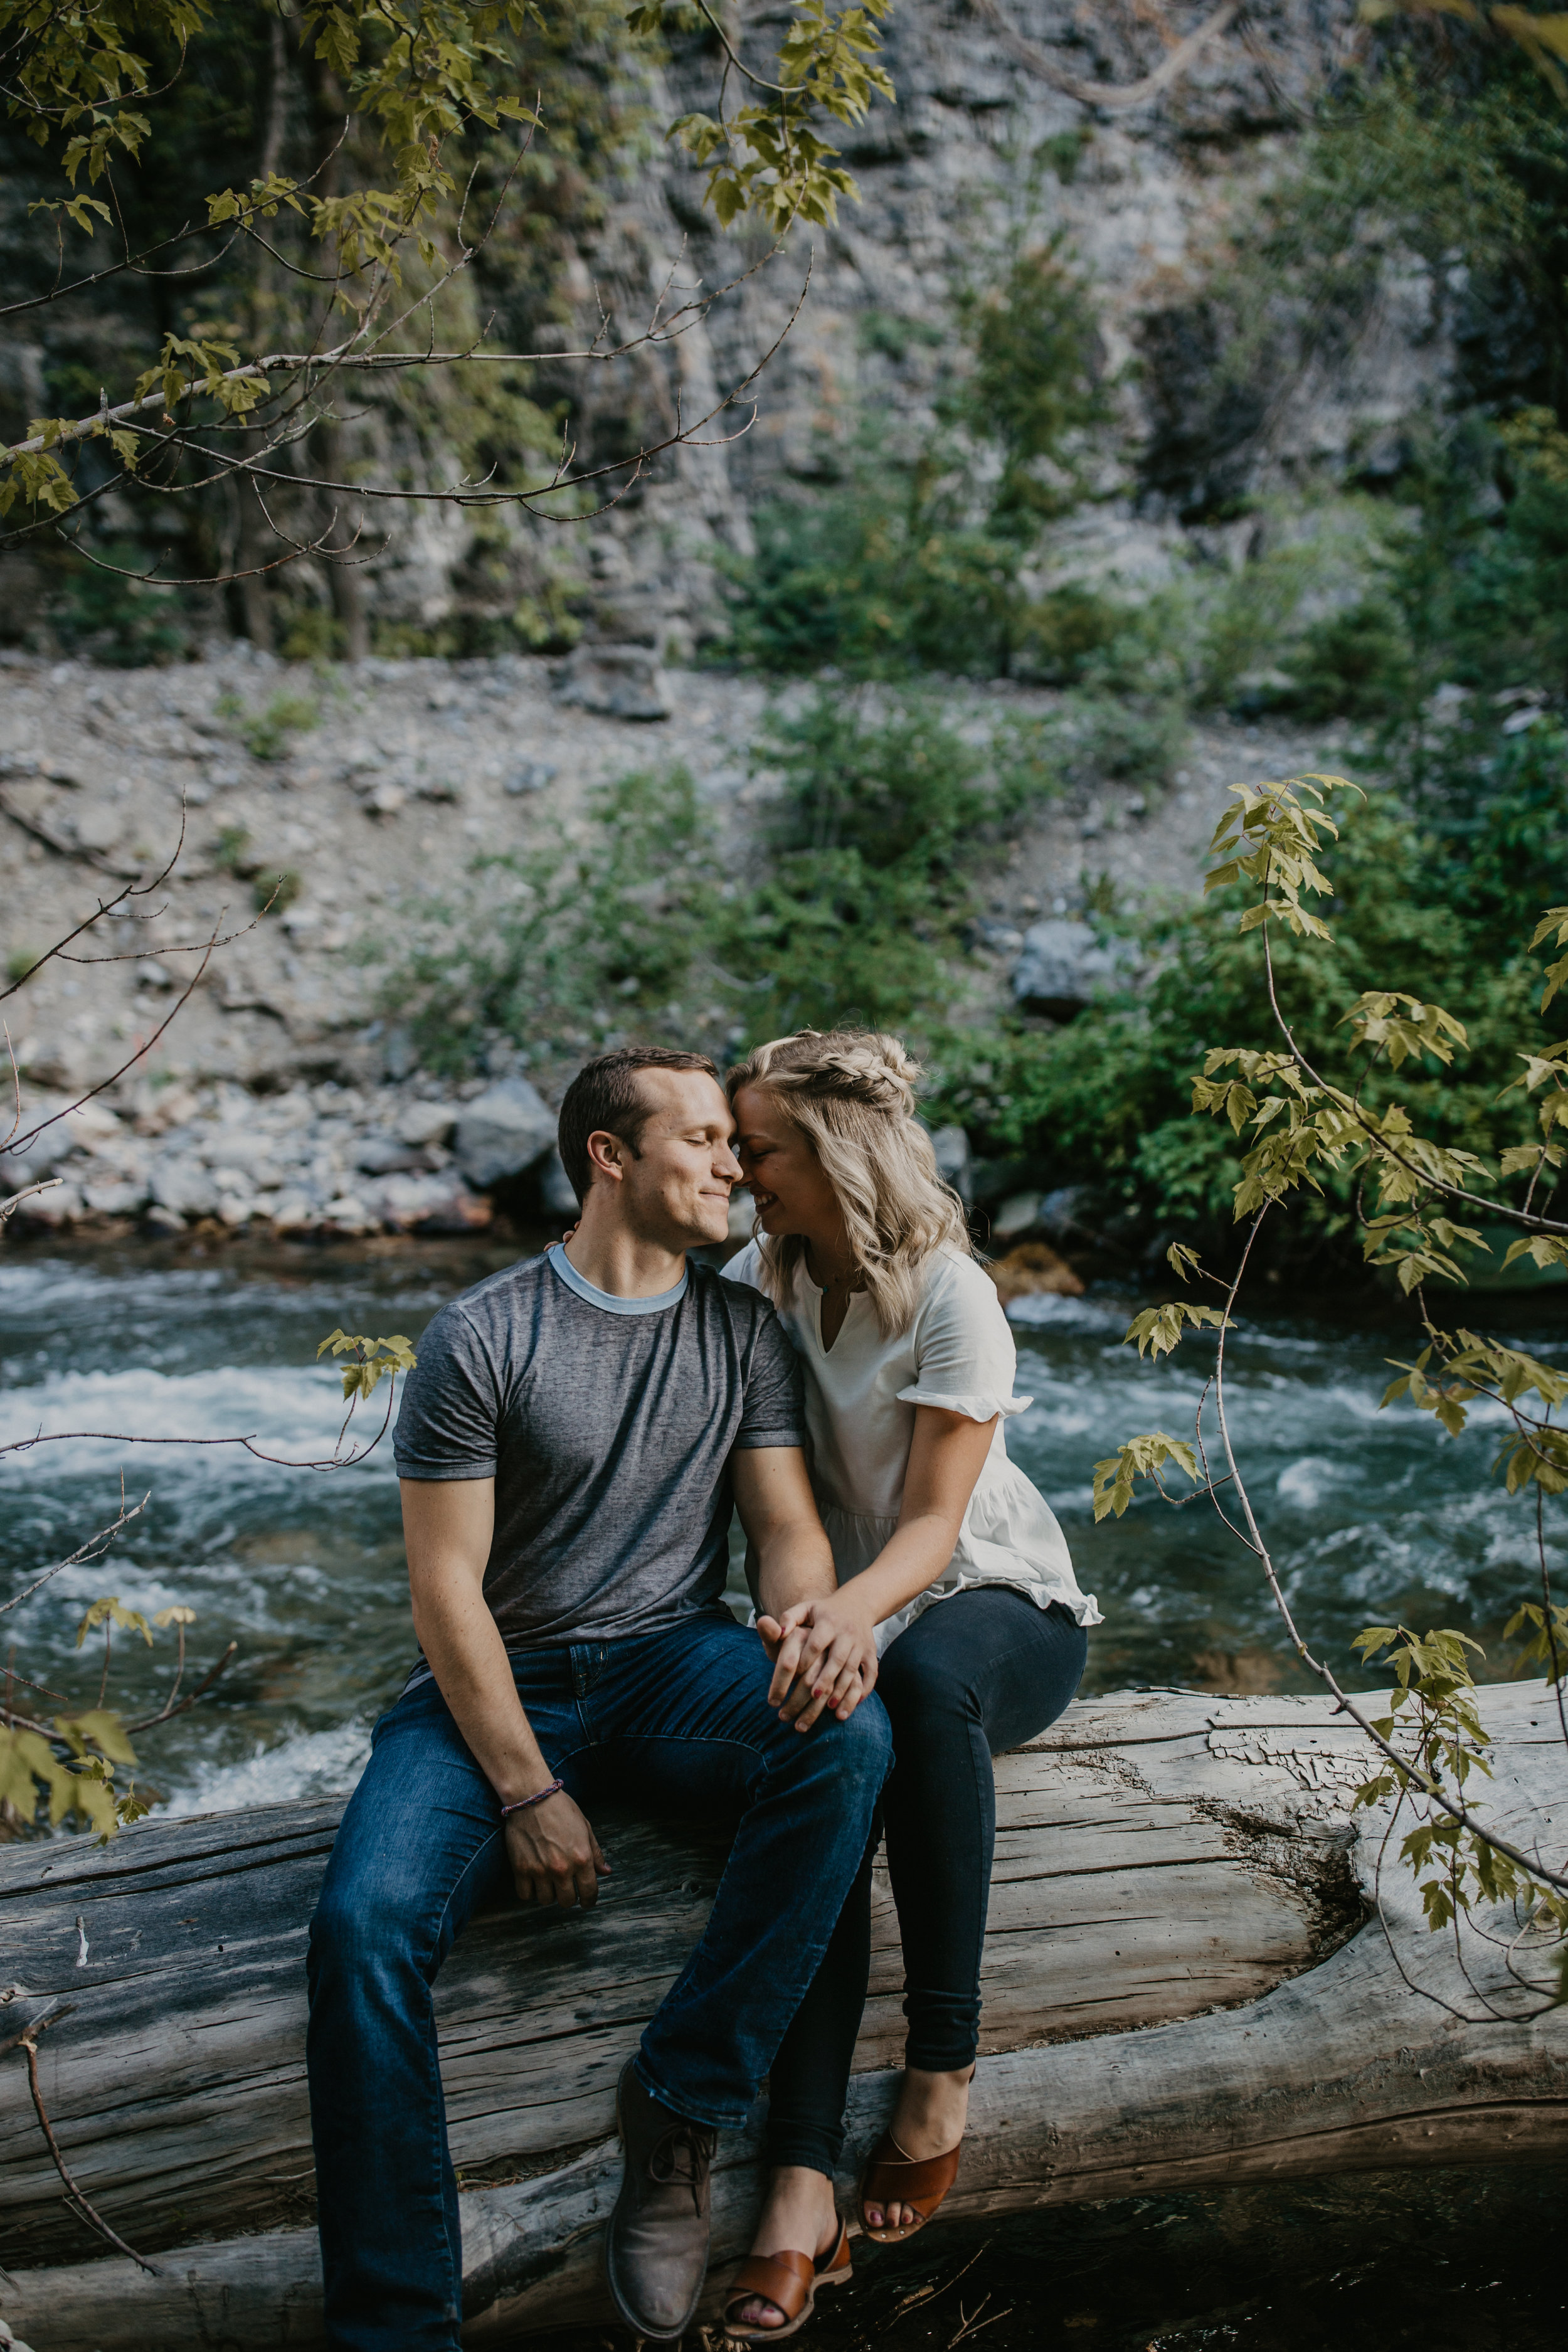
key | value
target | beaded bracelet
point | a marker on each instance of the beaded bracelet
(537, 1799)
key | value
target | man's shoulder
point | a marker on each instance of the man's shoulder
(718, 1290)
(496, 1303)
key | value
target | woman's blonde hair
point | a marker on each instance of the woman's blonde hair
(851, 1093)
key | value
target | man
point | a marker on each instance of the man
(570, 1448)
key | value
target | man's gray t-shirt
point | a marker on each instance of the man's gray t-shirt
(607, 1424)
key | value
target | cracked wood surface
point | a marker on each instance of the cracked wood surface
(1177, 1992)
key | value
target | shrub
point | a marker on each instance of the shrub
(275, 893)
(1056, 635)
(882, 819)
(590, 936)
(125, 624)
(873, 843)
(1105, 1100)
(1351, 665)
(867, 580)
(914, 564)
(266, 734)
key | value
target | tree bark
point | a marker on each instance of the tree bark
(1182, 1985)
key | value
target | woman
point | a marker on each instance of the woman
(942, 1546)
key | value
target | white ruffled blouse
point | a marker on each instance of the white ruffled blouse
(860, 1399)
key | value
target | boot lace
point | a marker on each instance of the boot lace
(683, 2157)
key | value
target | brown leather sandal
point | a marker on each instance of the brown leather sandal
(891, 2178)
(791, 2282)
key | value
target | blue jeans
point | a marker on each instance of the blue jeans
(679, 1720)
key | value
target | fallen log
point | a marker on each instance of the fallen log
(1184, 1984)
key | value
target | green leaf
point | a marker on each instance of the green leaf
(100, 1727)
(1159, 1328)
(112, 1608)
(1140, 1457)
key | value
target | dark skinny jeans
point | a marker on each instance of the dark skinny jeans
(976, 1674)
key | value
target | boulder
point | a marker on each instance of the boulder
(426, 1122)
(1062, 965)
(951, 1146)
(432, 1205)
(1019, 1213)
(556, 1197)
(1062, 1212)
(503, 1131)
(180, 1184)
(1032, 1269)
(619, 681)
(386, 1155)
(113, 1191)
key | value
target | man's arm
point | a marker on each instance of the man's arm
(448, 1528)
(829, 1659)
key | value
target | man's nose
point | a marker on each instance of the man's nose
(728, 1166)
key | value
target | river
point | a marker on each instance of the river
(1374, 1517)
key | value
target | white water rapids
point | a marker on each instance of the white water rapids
(1374, 1516)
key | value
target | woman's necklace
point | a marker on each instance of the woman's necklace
(849, 1280)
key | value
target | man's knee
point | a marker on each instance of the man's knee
(865, 1746)
(362, 1925)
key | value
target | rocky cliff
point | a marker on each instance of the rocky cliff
(1134, 137)
(1011, 129)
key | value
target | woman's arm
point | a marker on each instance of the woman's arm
(947, 1455)
(823, 1657)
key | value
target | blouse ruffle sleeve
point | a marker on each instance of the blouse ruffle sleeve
(976, 1404)
(964, 1358)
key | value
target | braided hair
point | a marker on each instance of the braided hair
(851, 1093)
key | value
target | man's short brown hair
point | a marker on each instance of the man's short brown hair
(604, 1094)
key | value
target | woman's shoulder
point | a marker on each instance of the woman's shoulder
(955, 1280)
(746, 1268)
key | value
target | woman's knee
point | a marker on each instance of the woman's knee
(917, 1683)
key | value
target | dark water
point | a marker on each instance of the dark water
(1372, 1517)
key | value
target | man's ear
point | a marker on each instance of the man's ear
(606, 1156)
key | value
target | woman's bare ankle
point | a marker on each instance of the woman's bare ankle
(797, 2198)
(797, 2216)
(932, 2110)
(928, 2121)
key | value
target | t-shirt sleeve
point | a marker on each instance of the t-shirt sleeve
(446, 1423)
(773, 1413)
(964, 1358)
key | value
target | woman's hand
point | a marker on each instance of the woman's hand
(554, 1853)
(825, 1658)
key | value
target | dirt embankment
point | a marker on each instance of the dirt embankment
(275, 1093)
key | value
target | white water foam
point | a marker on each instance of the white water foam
(290, 1411)
(1045, 1311)
(306, 1764)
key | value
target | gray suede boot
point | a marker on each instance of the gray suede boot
(656, 2247)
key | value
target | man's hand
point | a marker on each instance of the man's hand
(554, 1855)
(825, 1659)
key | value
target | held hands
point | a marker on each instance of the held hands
(825, 1659)
(554, 1855)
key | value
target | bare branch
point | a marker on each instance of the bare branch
(94, 1549)
(1112, 97)
(74, 2196)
